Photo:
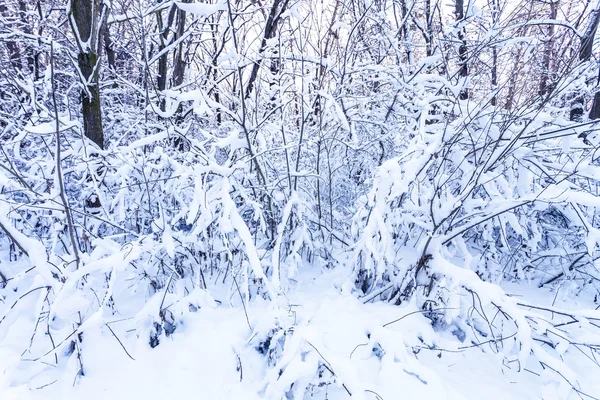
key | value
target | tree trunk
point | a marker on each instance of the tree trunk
(494, 78)
(86, 20)
(164, 29)
(429, 31)
(91, 106)
(548, 47)
(595, 111)
(405, 33)
(108, 47)
(179, 63)
(463, 71)
(585, 53)
(277, 9)
(14, 53)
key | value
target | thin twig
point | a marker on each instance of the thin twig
(61, 185)
(118, 340)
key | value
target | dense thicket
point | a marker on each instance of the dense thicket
(150, 150)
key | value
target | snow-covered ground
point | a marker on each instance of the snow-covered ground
(215, 355)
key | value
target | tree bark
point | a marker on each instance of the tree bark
(86, 20)
(164, 28)
(179, 63)
(405, 33)
(277, 9)
(595, 111)
(14, 53)
(548, 47)
(494, 78)
(589, 41)
(429, 31)
(179, 66)
(109, 49)
(585, 53)
(463, 71)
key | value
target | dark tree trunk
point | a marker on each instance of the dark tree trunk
(494, 100)
(277, 9)
(86, 21)
(463, 71)
(90, 100)
(36, 52)
(217, 50)
(27, 29)
(14, 53)
(595, 111)
(548, 47)
(405, 32)
(587, 40)
(429, 32)
(179, 63)
(109, 49)
(585, 53)
(495, 11)
(164, 29)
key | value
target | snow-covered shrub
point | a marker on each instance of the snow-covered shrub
(482, 197)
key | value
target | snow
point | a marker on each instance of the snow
(213, 354)
(335, 220)
(202, 9)
(146, 141)
(48, 128)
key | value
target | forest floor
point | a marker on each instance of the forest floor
(215, 355)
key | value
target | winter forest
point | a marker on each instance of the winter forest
(299, 199)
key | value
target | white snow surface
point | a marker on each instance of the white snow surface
(214, 354)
